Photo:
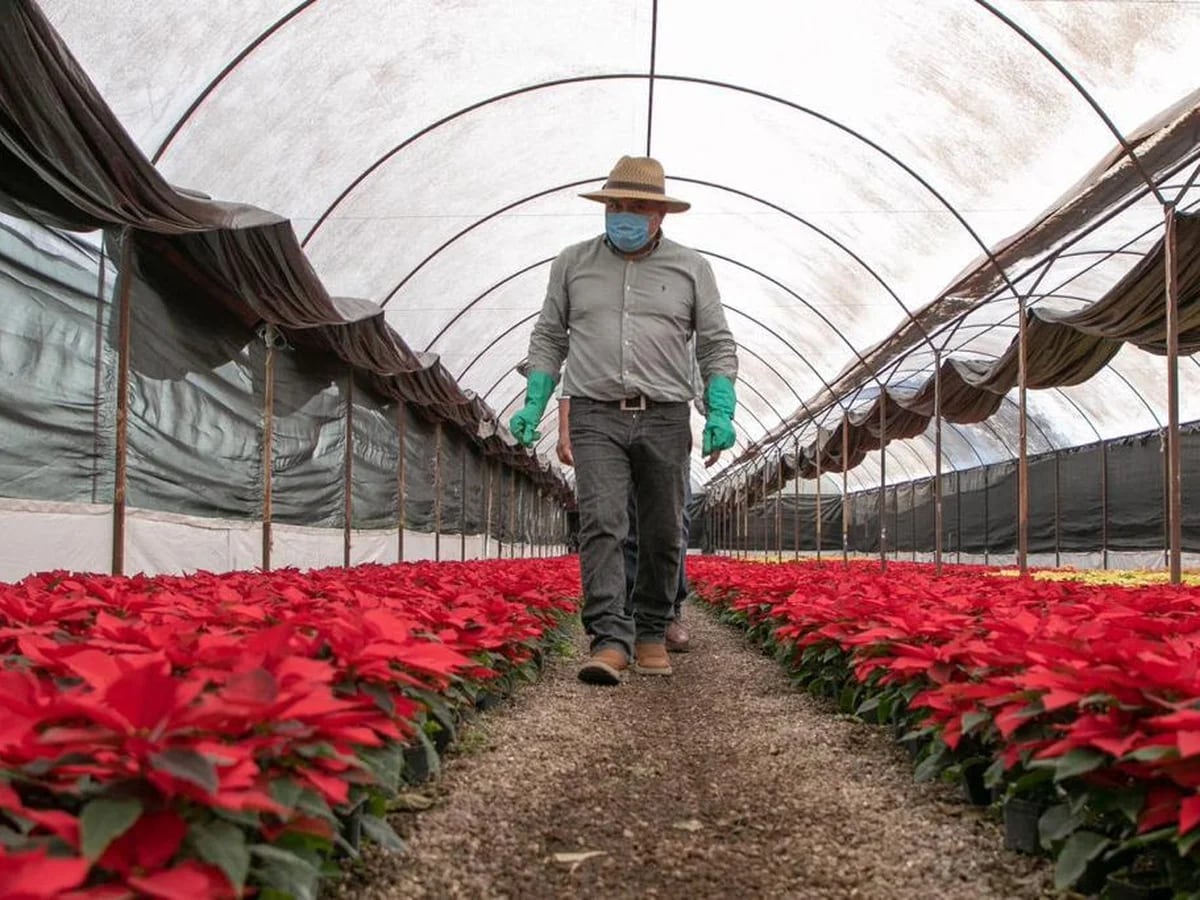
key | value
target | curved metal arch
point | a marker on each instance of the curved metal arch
(684, 179)
(1110, 366)
(882, 386)
(1067, 74)
(270, 32)
(683, 79)
(1044, 264)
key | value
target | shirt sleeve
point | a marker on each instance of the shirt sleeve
(716, 351)
(548, 342)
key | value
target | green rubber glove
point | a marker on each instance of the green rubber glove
(538, 388)
(721, 400)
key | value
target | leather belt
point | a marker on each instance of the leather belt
(639, 403)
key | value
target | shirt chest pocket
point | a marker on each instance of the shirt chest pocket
(663, 301)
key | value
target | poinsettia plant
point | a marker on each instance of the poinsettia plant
(1085, 693)
(210, 735)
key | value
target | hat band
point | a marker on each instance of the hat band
(633, 186)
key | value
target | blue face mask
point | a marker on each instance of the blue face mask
(627, 231)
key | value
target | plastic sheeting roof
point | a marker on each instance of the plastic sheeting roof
(845, 162)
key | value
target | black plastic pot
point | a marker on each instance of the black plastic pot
(1137, 886)
(976, 792)
(416, 764)
(1021, 825)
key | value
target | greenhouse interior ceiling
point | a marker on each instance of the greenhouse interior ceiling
(887, 191)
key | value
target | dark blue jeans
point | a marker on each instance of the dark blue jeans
(618, 452)
(631, 550)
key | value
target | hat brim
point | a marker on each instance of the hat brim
(673, 205)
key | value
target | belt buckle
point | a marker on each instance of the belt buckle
(633, 404)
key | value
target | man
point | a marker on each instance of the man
(678, 640)
(620, 310)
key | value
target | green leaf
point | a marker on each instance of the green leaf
(930, 766)
(380, 695)
(1080, 849)
(188, 765)
(224, 845)
(972, 720)
(1130, 802)
(381, 833)
(246, 818)
(103, 821)
(385, 764)
(1149, 754)
(285, 792)
(869, 704)
(1078, 762)
(1188, 841)
(285, 872)
(1057, 823)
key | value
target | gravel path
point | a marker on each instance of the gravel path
(719, 782)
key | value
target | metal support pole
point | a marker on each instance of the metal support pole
(1174, 472)
(348, 472)
(912, 515)
(462, 530)
(958, 509)
(1022, 443)
(779, 511)
(268, 443)
(437, 491)
(1057, 512)
(845, 494)
(488, 500)
(819, 525)
(766, 522)
(401, 436)
(513, 514)
(1104, 503)
(121, 450)
(796, 513)
(883, 480)
(987, 519)
(938, 523)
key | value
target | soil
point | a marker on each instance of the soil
(719, 782)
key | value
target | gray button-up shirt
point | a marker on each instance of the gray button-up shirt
(623, 326)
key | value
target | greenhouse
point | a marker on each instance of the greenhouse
(293, 598)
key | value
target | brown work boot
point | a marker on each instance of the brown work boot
(678, 639)
(652, 659)
(606, 666)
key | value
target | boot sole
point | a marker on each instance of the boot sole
(600, 673)
(652, 670)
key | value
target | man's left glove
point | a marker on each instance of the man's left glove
(538, 388)
(721, 401)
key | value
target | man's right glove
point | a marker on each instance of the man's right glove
(720, 400)
(538, 388)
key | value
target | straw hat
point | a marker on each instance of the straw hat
(637, 178)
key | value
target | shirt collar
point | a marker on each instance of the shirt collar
(640, 254)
